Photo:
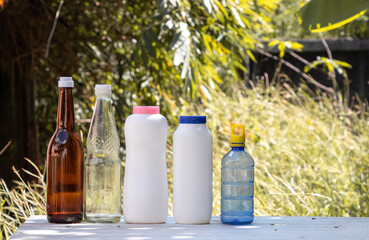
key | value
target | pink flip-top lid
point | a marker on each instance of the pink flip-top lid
(146, 110)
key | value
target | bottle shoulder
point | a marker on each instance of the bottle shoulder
(62, 136)
(103, 130)
(237, 159)
(141, 120)
(63, 139)
(103, 133)
(147, 117)
(103, 113)
(185, 130)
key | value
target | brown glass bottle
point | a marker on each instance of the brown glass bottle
(65, 165)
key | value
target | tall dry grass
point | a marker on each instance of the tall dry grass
(20, 202)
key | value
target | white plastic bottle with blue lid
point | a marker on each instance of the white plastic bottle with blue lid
(237, 188)
(192, 171)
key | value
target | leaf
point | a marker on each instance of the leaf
(181, 53)
(240, 66)
(193, 86)
(343, 64)
(307, 68)
(181, 37)
(313, 64)
(190, 82)
(186, 63)
(175, 42)
(269, 5)
(173, 2)
(220, 6)
(251, 55)
(281, 48)
(329, 66)
(340, 70)
(207, 5)
(170, 101)
(296, 46)
(169, 24)
(206, 39)
(237, 17)
(205, 92)
(325, 15)
(273, 43)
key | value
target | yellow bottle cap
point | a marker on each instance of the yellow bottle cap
(238, 135)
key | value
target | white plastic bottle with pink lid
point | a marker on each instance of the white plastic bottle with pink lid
(145, 192)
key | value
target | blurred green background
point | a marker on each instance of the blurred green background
(189, 57)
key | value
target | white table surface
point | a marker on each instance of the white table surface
(37, 227)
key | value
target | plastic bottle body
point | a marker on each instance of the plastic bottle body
(103, 166)
(237, 188)
(145, 192)
(192, 174)
(65, 166)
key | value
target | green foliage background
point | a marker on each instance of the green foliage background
(164, 52)
(188, 57)
(153, 53)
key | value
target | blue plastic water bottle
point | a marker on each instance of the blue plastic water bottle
(237, 202)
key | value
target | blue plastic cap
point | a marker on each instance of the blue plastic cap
(192, 119)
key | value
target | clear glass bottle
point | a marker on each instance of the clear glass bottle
(103, 165)
(237, 188)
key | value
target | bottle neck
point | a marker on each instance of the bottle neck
(66, 110)
(238, 148)
(103, 106)
(102, 109)
(103, 97)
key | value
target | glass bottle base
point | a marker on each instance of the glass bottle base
(236, 220)
(65, 218)
(102, 218)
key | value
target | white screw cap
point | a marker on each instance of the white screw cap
(65, 82)
(102, 89)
